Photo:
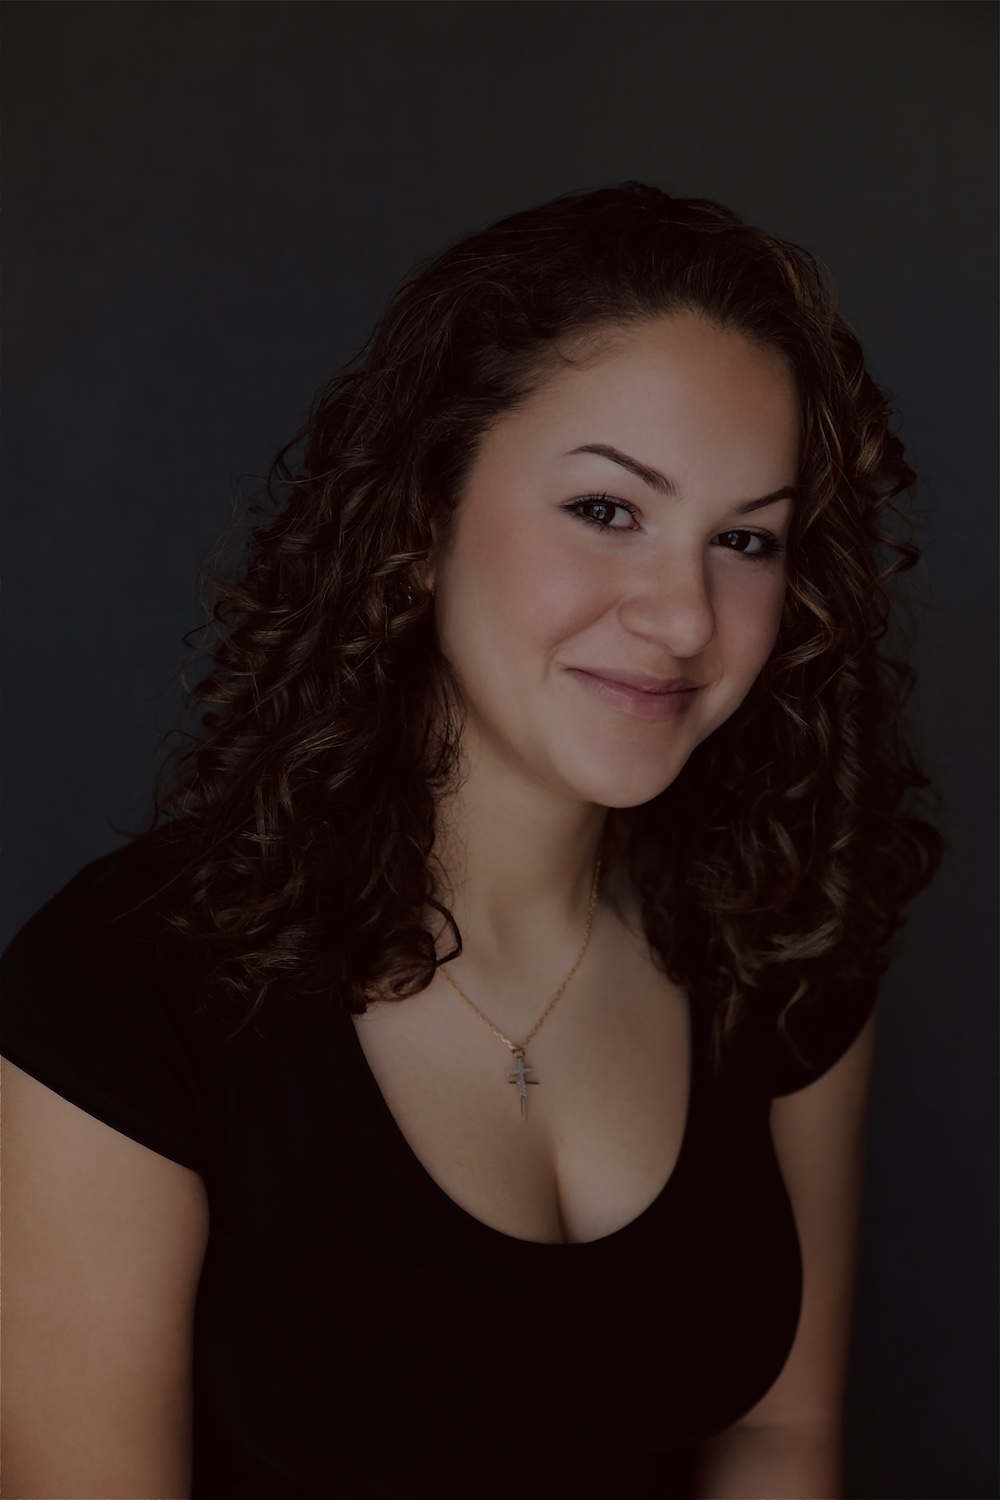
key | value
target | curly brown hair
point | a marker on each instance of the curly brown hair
(777, 863)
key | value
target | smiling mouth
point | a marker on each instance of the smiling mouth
(637, 694)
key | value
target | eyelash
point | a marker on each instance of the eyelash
(770, 546)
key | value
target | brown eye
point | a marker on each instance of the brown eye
(604, 513)
(752, 544)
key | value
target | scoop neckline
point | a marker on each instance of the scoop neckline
(497, 1241)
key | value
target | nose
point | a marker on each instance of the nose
(670, 605)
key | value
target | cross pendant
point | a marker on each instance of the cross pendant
(519, 1074)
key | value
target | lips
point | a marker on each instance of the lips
(637, 694)
(641, 682)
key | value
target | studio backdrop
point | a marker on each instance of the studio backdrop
(206, 206)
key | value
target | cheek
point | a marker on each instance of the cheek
(513, 594)
(751, 623)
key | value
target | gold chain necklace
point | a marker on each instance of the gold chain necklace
(519, 1072)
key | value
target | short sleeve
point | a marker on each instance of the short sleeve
(822, 1031)
(100, 1005)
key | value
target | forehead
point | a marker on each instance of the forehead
(690, 398)
(679, 362)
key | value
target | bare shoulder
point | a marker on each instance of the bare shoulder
(102, 1251)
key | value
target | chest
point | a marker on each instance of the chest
(345, 1296)
(566, 1143)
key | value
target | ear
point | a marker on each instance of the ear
(426, 572)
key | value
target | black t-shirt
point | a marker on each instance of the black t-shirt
(359, 1335)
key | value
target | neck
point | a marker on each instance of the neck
(517, 865)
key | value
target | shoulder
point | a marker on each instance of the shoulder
(103, 1239)
(787, 1052)
(105, 1001)
(114, 924)
(127, 896)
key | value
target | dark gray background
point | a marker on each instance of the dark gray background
(206, 205)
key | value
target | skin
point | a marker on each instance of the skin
(529, 590)
(104, 1239)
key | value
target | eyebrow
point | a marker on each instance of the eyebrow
(665, 486)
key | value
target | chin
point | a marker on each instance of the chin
(617, 786)
(633, 796)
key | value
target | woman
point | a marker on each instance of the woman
(461, 1090)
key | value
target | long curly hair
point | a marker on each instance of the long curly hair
(778, 862)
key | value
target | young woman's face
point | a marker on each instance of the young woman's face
(614, 578)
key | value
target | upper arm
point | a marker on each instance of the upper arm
(103, 1241)
(819, 1135)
